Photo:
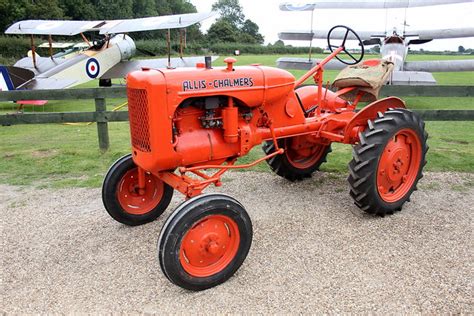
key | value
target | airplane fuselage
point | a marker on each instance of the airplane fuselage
(395, 49)
(83, 67)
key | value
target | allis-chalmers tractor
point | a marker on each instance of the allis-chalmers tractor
(186, 122)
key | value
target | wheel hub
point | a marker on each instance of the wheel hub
(398, 165)
(139, 201)
(209, 245)
(302, 153)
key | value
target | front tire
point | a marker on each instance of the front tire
(122, 200)
(388, 162)
(204, 241)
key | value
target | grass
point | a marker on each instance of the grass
(55, 155)
(58, 155)
(64, 156)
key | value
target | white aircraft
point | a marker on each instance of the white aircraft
(103, 59)
(394, 45)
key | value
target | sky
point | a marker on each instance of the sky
(271, 20)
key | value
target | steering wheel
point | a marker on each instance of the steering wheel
(353, 60)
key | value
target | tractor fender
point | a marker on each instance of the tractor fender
(369, 112)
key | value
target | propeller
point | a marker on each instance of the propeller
(372, 41)
(419, 41)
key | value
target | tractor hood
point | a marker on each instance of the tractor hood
(252, 85)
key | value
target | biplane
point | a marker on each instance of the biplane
(105, 59)
(393, 44)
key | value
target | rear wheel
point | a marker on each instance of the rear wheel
(124, 202)
(300, 159)
(204, 241)
(388, 162)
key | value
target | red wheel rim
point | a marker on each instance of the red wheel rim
(399, 165)
(209, 246)
(301, 153)
(131, 200)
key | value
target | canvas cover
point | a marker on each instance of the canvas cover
(368, 76)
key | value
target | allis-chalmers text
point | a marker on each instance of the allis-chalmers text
(217, 83)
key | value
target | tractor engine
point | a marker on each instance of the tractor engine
(184, 117)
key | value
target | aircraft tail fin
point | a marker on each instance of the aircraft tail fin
(6, 83)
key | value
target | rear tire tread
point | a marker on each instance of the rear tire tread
(282, 167)
(366, 155)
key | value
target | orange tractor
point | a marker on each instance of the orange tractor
(186, 122)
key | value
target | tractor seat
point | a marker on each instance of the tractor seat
(367, 77)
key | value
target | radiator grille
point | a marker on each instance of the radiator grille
(138, 114)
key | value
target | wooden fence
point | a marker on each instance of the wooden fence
(102, 116)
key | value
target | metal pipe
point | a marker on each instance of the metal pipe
(311, 40)
(50, 42)
(33, 50)
(213, 179)
(141, 181)
(168, 42)
(181, 43)
(313, 70)
(84, 38)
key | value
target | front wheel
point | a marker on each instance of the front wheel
(124, 201)
(388, 162)
(204, 241)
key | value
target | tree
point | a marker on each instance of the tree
(115, 9)
(11, 11)
(241, 29)
(44, 9)
(461, 49)
(246, 38)
(222, 31)
(279, 43)
(251, 28)
(79, 9)
(231, 11)
(181, 6)
(144, 8)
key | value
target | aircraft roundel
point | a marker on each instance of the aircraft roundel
(92, 68)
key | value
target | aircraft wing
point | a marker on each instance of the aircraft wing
(156, 23)
(52, 27)
(306, 64)
(442, 33)
(124, 67)
(70, 28)
(57, 45)
(364, 4)
(322, 34)
(440, 65)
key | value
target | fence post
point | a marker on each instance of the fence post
(102, 125)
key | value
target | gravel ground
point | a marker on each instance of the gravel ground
(313, 251)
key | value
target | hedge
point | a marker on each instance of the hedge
(12, 47)
(160, 48)
(17, 47)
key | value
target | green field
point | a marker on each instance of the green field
(55, 155)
